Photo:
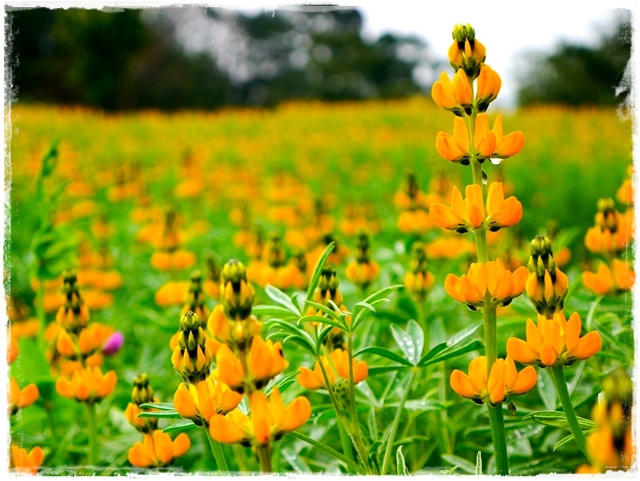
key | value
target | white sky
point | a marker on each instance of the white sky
(505, 28)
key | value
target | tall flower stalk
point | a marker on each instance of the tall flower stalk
(474, 86)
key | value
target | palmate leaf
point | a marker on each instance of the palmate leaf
(326, 310)
(362, 309)
(324, 320)
(451, 353)
(281, 298)
(382, 352)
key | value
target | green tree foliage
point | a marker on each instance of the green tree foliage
(579, 74)
(121, 61)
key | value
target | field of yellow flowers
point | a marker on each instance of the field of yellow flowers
(415, 286)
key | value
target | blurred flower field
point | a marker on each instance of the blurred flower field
(121, 293)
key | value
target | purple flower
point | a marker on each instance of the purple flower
(113, 344)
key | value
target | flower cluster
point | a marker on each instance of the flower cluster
(18, 399)
(273, 268)
(488, 284)
(157, 449)
(245, 364)
(169, 256)
(611, 445)
(554, 340)
(363, 270)
(609, 238)
(418, 280)
(77, 348)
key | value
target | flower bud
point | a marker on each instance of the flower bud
(237, 294)
(466, 52)
(192, 356)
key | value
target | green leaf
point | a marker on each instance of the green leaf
(415, 332)
(317, 270)
(159, 406)
(462, 335)
(278, 312)
(300, 341)
(374, 371)
(382, 293)
(467, 466)
(380, 351)
(451, 353)
(180, 427)
(406, 343)
(479, 463)
(323, 320)
(281, 298)
(160, 414)
(563, 441)
(327, 450)
(327, 310)
(401, 464)
(559, 420)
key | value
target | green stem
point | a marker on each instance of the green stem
(40, 313)
(93, 434)
(242, 466)
(489, 314)
(557, 372)
(490, 335)
(264, 455)
(354, 425)
(445, 440)
(347, 448)
(218, 454)
(394, 425)
(499, 441)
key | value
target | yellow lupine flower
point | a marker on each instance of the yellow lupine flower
(234, 332)
(158, 450)
(456, 148)
(21, 398)
(489, 84)
(268, 421)
(339, 360)
(87, 385)
(605, 281)
(22, 462)
(463, 215)
(455, 96)
(506, 145)
(503, 381)
(202, 401)
(501, 284)
(265, 361)
(554, 340)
